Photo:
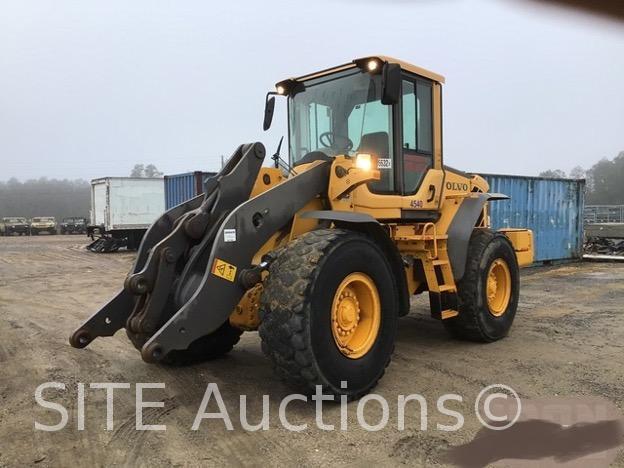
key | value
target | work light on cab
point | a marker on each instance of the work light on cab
(364, 161)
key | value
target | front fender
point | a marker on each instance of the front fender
(365, 223)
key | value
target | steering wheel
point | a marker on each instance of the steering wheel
(329, 140)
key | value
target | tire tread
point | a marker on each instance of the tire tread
(285, 306)
(466, 325)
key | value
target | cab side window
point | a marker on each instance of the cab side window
(369, 128)
(417, 145)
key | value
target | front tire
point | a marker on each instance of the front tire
(488, 292)
(329, 313)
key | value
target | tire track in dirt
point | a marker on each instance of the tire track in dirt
(564, 341)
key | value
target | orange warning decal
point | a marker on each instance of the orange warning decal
(224, 270)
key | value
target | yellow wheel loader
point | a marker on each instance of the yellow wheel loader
(321, 252)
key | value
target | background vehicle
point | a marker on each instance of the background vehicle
(322, 255)
(42, 224)
(73, 226)
(122, 208)
(9, 226)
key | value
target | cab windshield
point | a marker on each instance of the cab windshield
(341, 113)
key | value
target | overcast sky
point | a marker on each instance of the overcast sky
(88, 89)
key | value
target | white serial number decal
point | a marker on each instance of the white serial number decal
(384, 164)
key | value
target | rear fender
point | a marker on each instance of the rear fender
(461, 227)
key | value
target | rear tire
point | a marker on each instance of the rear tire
(479, 319)
(298, 308)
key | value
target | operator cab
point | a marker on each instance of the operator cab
(375, 105)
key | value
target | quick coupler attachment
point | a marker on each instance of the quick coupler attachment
(172, 247)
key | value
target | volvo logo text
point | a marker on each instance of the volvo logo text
(456, 186)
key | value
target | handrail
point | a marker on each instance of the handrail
(435, 239)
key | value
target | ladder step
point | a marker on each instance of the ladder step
(446, 288)
(449, 313)
(439, 262)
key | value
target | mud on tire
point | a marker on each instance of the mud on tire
(296, 305)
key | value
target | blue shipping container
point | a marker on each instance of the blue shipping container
(551, 208)
(182, 187)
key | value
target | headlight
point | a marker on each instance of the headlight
(364, 161)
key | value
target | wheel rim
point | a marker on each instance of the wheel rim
(498, 287)
(356, 315)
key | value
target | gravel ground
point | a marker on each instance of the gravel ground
(566, 341)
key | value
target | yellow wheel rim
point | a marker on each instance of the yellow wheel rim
(356, 315)
(498, 287)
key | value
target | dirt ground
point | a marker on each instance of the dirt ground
(567, 340)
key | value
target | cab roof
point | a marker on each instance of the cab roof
(384, 58)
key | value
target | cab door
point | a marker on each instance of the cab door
(421, 148)
(412, 174)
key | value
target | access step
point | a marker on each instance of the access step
(449, 313)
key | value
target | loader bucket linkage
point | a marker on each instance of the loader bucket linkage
(171, 283)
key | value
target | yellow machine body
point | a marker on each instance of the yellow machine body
(442, 191)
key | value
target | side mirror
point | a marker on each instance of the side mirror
(269, 108)
(390, 83)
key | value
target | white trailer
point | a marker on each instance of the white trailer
(122, 208)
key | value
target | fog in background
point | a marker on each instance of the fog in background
(88, 89)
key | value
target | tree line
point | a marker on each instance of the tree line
(65, 198)
(604, 180)
(53, 197)
(45, 197)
